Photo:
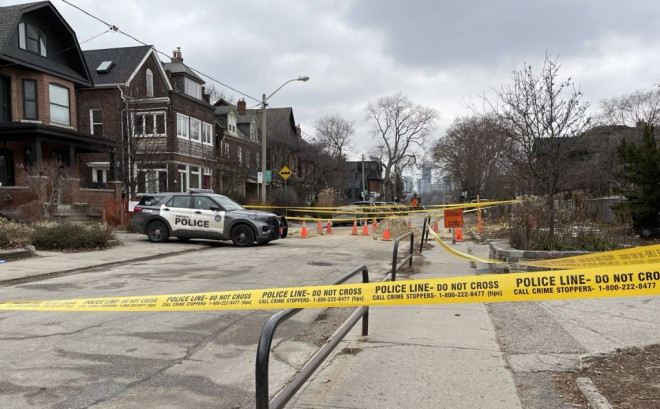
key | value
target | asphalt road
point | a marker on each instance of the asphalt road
(161, 359)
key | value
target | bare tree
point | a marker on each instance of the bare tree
(216, 95)
(631, 109)
(333, 134)
(403, 127)
(473, 152)
(47, 180)
(541, 114)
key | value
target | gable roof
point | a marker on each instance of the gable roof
(176, 67)
(127, 62)
(64, 60)
(279, 121)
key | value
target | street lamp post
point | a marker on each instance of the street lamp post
(264, 99)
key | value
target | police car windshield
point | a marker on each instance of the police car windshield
(227, 204)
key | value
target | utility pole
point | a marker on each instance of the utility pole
(363, 177)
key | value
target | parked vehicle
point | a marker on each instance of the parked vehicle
(345, 215)
(370, 209)
(202, 215)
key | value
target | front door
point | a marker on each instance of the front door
(5, 107)
(6, 167)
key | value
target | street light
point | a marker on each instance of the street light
(264, 99)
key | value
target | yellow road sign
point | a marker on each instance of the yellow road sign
(285, 172)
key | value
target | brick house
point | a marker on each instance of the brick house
(159, 116)
(42, 69)
(371, 180)
(286, 147)
(240, 150)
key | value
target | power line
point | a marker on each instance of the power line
(112, 27)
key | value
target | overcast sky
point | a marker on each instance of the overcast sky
(439, 53)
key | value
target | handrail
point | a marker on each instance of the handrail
(395, 253)
(425, 233)
(266, 339)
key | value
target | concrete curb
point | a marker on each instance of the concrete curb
(592, 394)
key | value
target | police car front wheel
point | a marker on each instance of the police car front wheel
(242, 235)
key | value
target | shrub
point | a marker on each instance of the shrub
(573, 229)
(71, 236)
(13, 234)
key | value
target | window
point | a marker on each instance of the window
(150, 83)
(96, 122)
(195, 177)
(207, 132)
(195, 129)
(203, 203)
(247, 159)
(206, 178)
(29, 99)
(231, 125)
(226, 149)
(151, 177)
(182, 123)
(32, 39)
(240, 156)
(192, 88)
(179, 201)
(149, 124)
(59, 104)
(183, 178)
(256, 158)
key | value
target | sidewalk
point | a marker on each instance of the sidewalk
(425, 356)
(130, 247)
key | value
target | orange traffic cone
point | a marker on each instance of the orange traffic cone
(329, 229)
(435, 227)
(386, 233)
(365, 228)
(319, 227)
(459, 234)
(303, 231)
(354, 231)
(409, 224)
(480, 226)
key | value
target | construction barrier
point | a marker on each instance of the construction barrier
(617, 281)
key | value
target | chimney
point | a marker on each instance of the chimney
(176, 55)
(240, 107)
(298, 130)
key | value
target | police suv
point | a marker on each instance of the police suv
(204, 215)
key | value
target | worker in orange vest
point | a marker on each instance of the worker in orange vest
(413, 202)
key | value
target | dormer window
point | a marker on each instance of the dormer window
(192, 88)
(32, 39)
(150, 83)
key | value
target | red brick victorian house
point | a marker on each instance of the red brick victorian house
(42, 69)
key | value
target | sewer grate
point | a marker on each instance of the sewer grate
(319, 263)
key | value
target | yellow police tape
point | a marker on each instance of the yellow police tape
(619, 281)
(623, 257)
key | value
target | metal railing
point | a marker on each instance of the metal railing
(266, 339)
(395, 253)
(425, 233)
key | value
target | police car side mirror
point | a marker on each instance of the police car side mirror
(215, 208)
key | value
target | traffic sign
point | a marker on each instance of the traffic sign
(285, 172)
(453, 218)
